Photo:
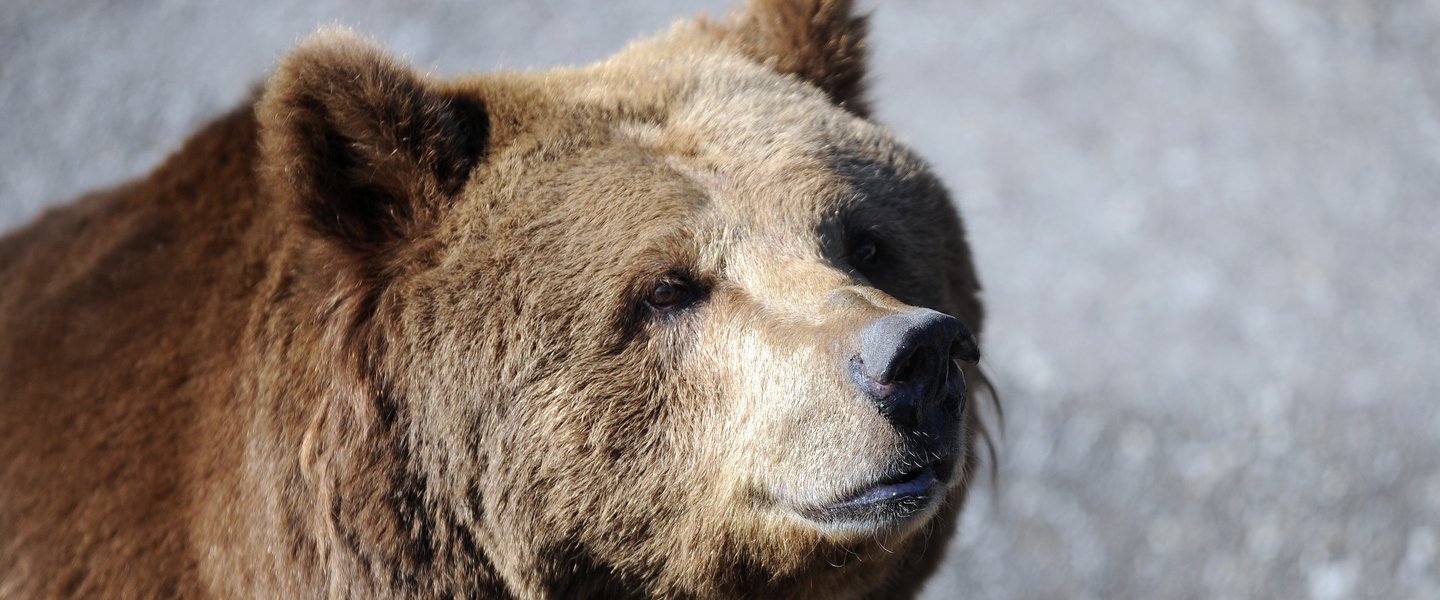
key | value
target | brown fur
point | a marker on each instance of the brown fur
(379, 335)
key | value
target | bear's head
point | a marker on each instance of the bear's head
(683, 322)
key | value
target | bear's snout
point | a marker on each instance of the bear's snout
(906, 367)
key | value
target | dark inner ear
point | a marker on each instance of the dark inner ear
(364, 148)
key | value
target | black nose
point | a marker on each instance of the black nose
(905, 366)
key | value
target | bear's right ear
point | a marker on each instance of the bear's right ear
(363, 146)
(819, 41)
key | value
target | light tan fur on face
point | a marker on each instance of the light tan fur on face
(380, 335)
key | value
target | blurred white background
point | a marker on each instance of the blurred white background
(1209, 232)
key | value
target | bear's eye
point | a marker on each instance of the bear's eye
(865, 253)
(669, 295)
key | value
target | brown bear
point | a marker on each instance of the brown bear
(683, 323)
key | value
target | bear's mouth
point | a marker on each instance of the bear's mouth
(890, 500)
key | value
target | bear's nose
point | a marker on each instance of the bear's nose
(905, 366)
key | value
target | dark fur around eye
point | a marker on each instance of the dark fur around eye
(864, 253)
(863, 250)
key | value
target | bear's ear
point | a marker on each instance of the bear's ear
(364, 147)
(820, 41)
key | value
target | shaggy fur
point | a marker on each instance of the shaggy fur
(378, 335)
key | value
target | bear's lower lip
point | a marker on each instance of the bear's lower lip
(889, 501)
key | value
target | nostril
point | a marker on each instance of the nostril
(903, 370)
(917, 367)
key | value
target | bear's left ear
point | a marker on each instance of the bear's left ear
(365, 149)
(819, 41)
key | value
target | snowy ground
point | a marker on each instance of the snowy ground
(1209, 232)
